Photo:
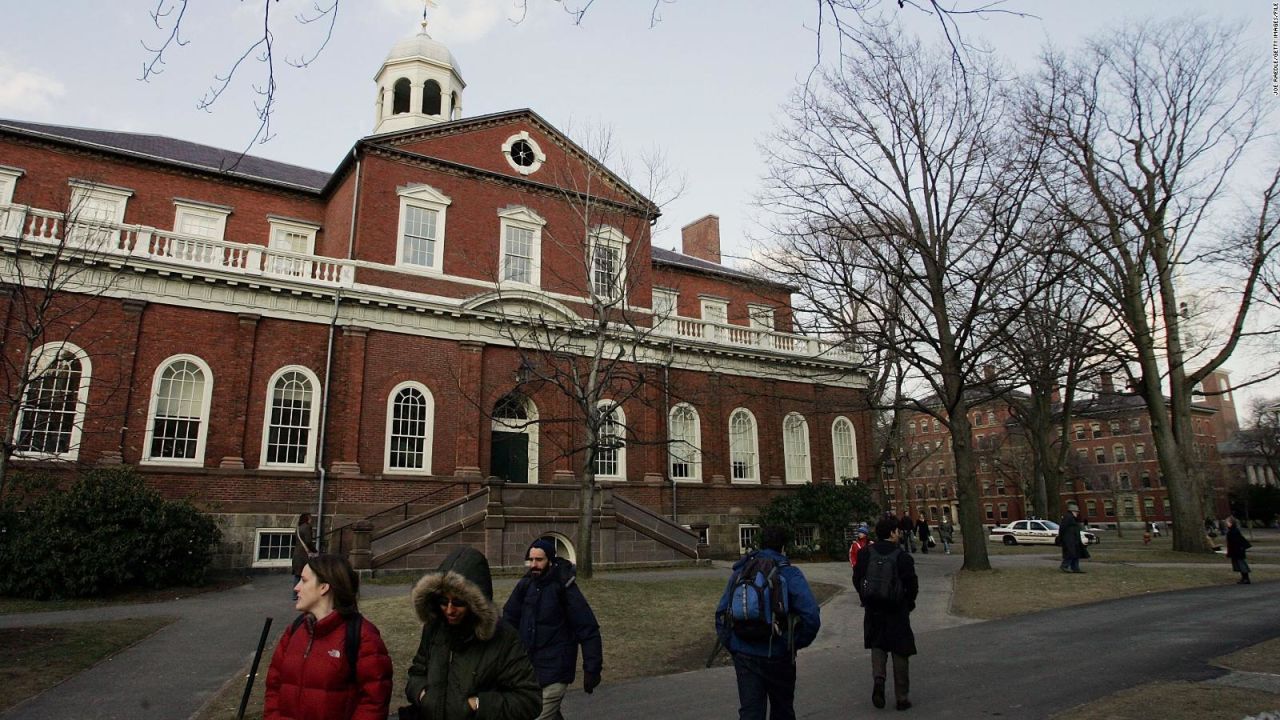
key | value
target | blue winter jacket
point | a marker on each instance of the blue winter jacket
(554, 618)
(803, 608)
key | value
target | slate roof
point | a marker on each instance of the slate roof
(180, 152)
(687, 262)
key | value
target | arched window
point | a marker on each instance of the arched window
(410, 426)
(180, 398)
(400, 96)
(611, 456)
(844, 446)
(431, 98)
(455, 112)
(289, 430)
(742, 446)
(795, 447)
(685, 434)
(52, 412)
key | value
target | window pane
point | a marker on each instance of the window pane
(605, 266)
(683, 427)
(742, 446)
(842, 435)
(518, 260)
(175, 429)
(419, 236)
(795, 440)
(289, 432)
(50, 407)
(409, 429)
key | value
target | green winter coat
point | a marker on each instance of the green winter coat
(484, 658)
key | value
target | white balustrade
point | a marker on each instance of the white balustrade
(140, 241)
(754, 337)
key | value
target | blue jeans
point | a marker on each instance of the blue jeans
(1072, 564)
(765, 682)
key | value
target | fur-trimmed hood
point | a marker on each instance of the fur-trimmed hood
(465, 576)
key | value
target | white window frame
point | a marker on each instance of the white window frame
(714, 310)
(95, 231)
(539, 157)
(206, 398)
(691, 444)
(752, 452)
(310, 459)
(422, 197)
(9, 183)
(703, 533)
(619, 420)
(428, 437)
(280, 225)
(838, 458)
(207, 211)
(665, 306)
(521, 218)
(609, 237)
(257, 545)
(41, 360)
(760, 317)
(743, 547)
(795, 449)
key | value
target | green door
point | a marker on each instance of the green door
(509, 456)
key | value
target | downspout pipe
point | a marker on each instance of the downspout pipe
(328, 359)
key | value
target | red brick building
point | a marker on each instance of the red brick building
(265, 338)
(1112, 471)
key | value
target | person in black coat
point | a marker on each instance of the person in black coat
(886, 626)
(1236, 547)
(1072, 544)
(907, 532)
(553, 618)
(922, 529)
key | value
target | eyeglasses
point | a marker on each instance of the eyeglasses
(445, 602)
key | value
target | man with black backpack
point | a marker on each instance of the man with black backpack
(885, 577)
(766, 614)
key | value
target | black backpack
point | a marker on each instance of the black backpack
(758, 599)
(352, 645)
(881, 583)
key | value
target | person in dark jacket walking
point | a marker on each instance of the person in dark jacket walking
(554, 618)
(886, 625)
(1071, 542)
(766, 669)
(309, 677)
(922, 529)
(469, 663)
(907, 532)
(1236, 547)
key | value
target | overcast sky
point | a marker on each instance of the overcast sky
(704, 84)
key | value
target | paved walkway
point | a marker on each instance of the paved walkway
(173, 673)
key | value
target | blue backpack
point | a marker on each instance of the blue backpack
(758, 604)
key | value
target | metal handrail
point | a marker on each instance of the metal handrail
(402, 507)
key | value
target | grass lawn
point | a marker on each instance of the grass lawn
(1013, 591)
(37, 658)
(673, 633)
(1262, 658)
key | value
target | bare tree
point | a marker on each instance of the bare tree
(900, 196)
(1149, 128)
(605, 351)
(55, 268)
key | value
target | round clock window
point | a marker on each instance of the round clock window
(523, 154)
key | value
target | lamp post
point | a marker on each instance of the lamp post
(887, 466)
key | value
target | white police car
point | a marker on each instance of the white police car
(1033, 532)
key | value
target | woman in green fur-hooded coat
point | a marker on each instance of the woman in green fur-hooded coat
(469, 664)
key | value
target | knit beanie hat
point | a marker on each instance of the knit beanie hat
(546, 545)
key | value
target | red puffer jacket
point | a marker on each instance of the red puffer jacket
(309, 679)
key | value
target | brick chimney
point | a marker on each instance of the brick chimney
(701, 238)
(1108, 384)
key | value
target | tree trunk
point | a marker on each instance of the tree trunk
(586, 517)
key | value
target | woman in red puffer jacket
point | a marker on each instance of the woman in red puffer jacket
(310, 675)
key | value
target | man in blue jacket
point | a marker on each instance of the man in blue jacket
(554, 618)
(766, 668)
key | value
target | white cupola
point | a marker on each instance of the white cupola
(419, 85)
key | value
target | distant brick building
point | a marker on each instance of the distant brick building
(262, 337)
(1112, 471)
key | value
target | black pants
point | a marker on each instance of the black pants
(762, 683)
(901, 671)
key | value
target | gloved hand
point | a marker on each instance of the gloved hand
(590, 681)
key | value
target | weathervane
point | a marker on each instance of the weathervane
(427, 4)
